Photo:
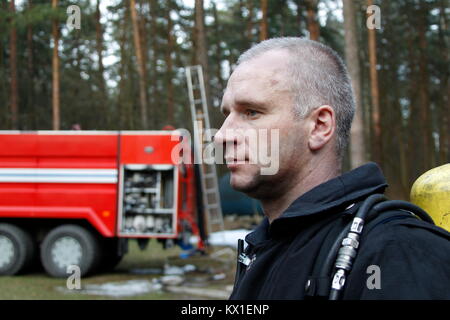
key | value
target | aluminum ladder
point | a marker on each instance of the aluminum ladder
(201, 125)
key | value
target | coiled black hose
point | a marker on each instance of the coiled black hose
(372, 206)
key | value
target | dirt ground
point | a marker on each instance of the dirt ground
(153, 273)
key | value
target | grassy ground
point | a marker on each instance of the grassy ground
(37, 285)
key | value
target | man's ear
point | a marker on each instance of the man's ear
(323, 125)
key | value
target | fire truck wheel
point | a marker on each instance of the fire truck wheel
(16, 249)
(69, 245)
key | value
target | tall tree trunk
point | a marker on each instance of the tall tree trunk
(13, 61)
(169, 64)
(201, 52)
(425, 120)
(4, 87)
(263, 23)
(396, 143)
(313, 24)
(101, 80)
(55, 71)
(357, 149)
(375, 95)
(140, 65)
(219, 53)
(444, 137)
(142, 23)
(299, 16)
(123, 112)
(75, 113)
(399, 131)
(415, 148)
(30, 71)
(154, 75)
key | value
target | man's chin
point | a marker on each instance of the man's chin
(246, 184)
(253, 184)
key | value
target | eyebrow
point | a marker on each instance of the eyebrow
(246, 103)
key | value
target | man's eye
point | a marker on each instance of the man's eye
(251, 113)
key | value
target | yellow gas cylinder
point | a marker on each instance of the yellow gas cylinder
(431, 192)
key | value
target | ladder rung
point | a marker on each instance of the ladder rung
(209, 176)
(193, 68)
(211, 198)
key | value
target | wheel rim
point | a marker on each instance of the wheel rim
(66, 251)
(6, 251)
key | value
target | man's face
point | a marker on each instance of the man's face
(258, 98)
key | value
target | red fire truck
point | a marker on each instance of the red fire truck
(77, 197)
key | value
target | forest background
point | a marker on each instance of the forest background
(123, 69)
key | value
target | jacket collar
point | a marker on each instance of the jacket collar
(331, 196)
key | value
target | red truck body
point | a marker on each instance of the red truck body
(91, 176)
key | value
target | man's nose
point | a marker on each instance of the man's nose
(221, 137)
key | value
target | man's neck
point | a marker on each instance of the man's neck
(310, 177)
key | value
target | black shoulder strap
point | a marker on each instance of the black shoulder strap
(385, 217)
(317, 286)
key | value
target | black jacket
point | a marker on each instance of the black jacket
(413, 256)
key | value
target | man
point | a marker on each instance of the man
(300, 89)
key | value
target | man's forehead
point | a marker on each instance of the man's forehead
(273, 64)
(257, 78)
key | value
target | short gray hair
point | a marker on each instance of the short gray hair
(319, 77)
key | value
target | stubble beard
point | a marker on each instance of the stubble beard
(261, 187)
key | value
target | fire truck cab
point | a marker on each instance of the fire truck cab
(77, 197)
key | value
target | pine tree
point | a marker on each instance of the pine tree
(13, 61)
(357, 149)
(141, 65)
(55, 71)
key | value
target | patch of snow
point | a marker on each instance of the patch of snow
(118, 289)
(173, 270)
(171, 280)
(219, 276)
(189, 268)
(227, 238)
